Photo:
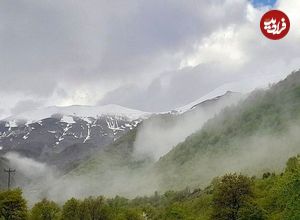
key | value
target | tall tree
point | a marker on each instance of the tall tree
(45, 210)
(230, 194)
(71, 210)
(13, 205)
(95, 209)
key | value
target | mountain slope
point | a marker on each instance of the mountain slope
(259, 133)
(158, 135)
(64, 135)
(120, 163)
(126, 145)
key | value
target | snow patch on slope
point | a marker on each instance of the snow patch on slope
(67, 119)
(78, 111)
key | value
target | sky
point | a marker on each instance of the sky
(259, 3)
(148, 55)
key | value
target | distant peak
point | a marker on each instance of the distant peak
(205, 99)
(79, 111)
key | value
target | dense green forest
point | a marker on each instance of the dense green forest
(253, 136)
(230, 197)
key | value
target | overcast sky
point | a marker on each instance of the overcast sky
(151, 55)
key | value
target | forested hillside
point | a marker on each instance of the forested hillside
(233, 196)
(256, 135)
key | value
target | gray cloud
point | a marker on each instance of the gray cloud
(232, 53)
(102, 48)
(172, 89)
(43, 44)
(26, 105)
(2, 111)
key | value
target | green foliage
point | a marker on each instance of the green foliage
(94, 209)
(251, 211)
(45, 210)
(292, 164)
(231, 193)
(71, 210)
(264, 113)
(114, 155)
(279, 195)
(231, 197)
(129, 214)
(100, 208)
(12, 205)
(292, 209)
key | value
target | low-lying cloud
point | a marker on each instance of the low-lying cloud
(158, 135)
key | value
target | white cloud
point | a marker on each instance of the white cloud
(222, 47)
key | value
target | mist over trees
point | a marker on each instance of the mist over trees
(230, 197)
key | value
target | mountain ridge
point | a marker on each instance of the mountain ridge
(81, 111)
(258, 133)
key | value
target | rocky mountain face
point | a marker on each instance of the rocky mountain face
(64, 138)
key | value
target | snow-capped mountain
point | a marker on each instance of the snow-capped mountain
(73, 132)
(64, 136)
(76, 111)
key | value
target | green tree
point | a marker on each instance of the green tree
(175, 211)
(94, 209)
(292, 210)
(13, 205)
(292, 164)
(71, 210)
(131, 214)
(45, 210)
(251, 211)
(230, 194)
